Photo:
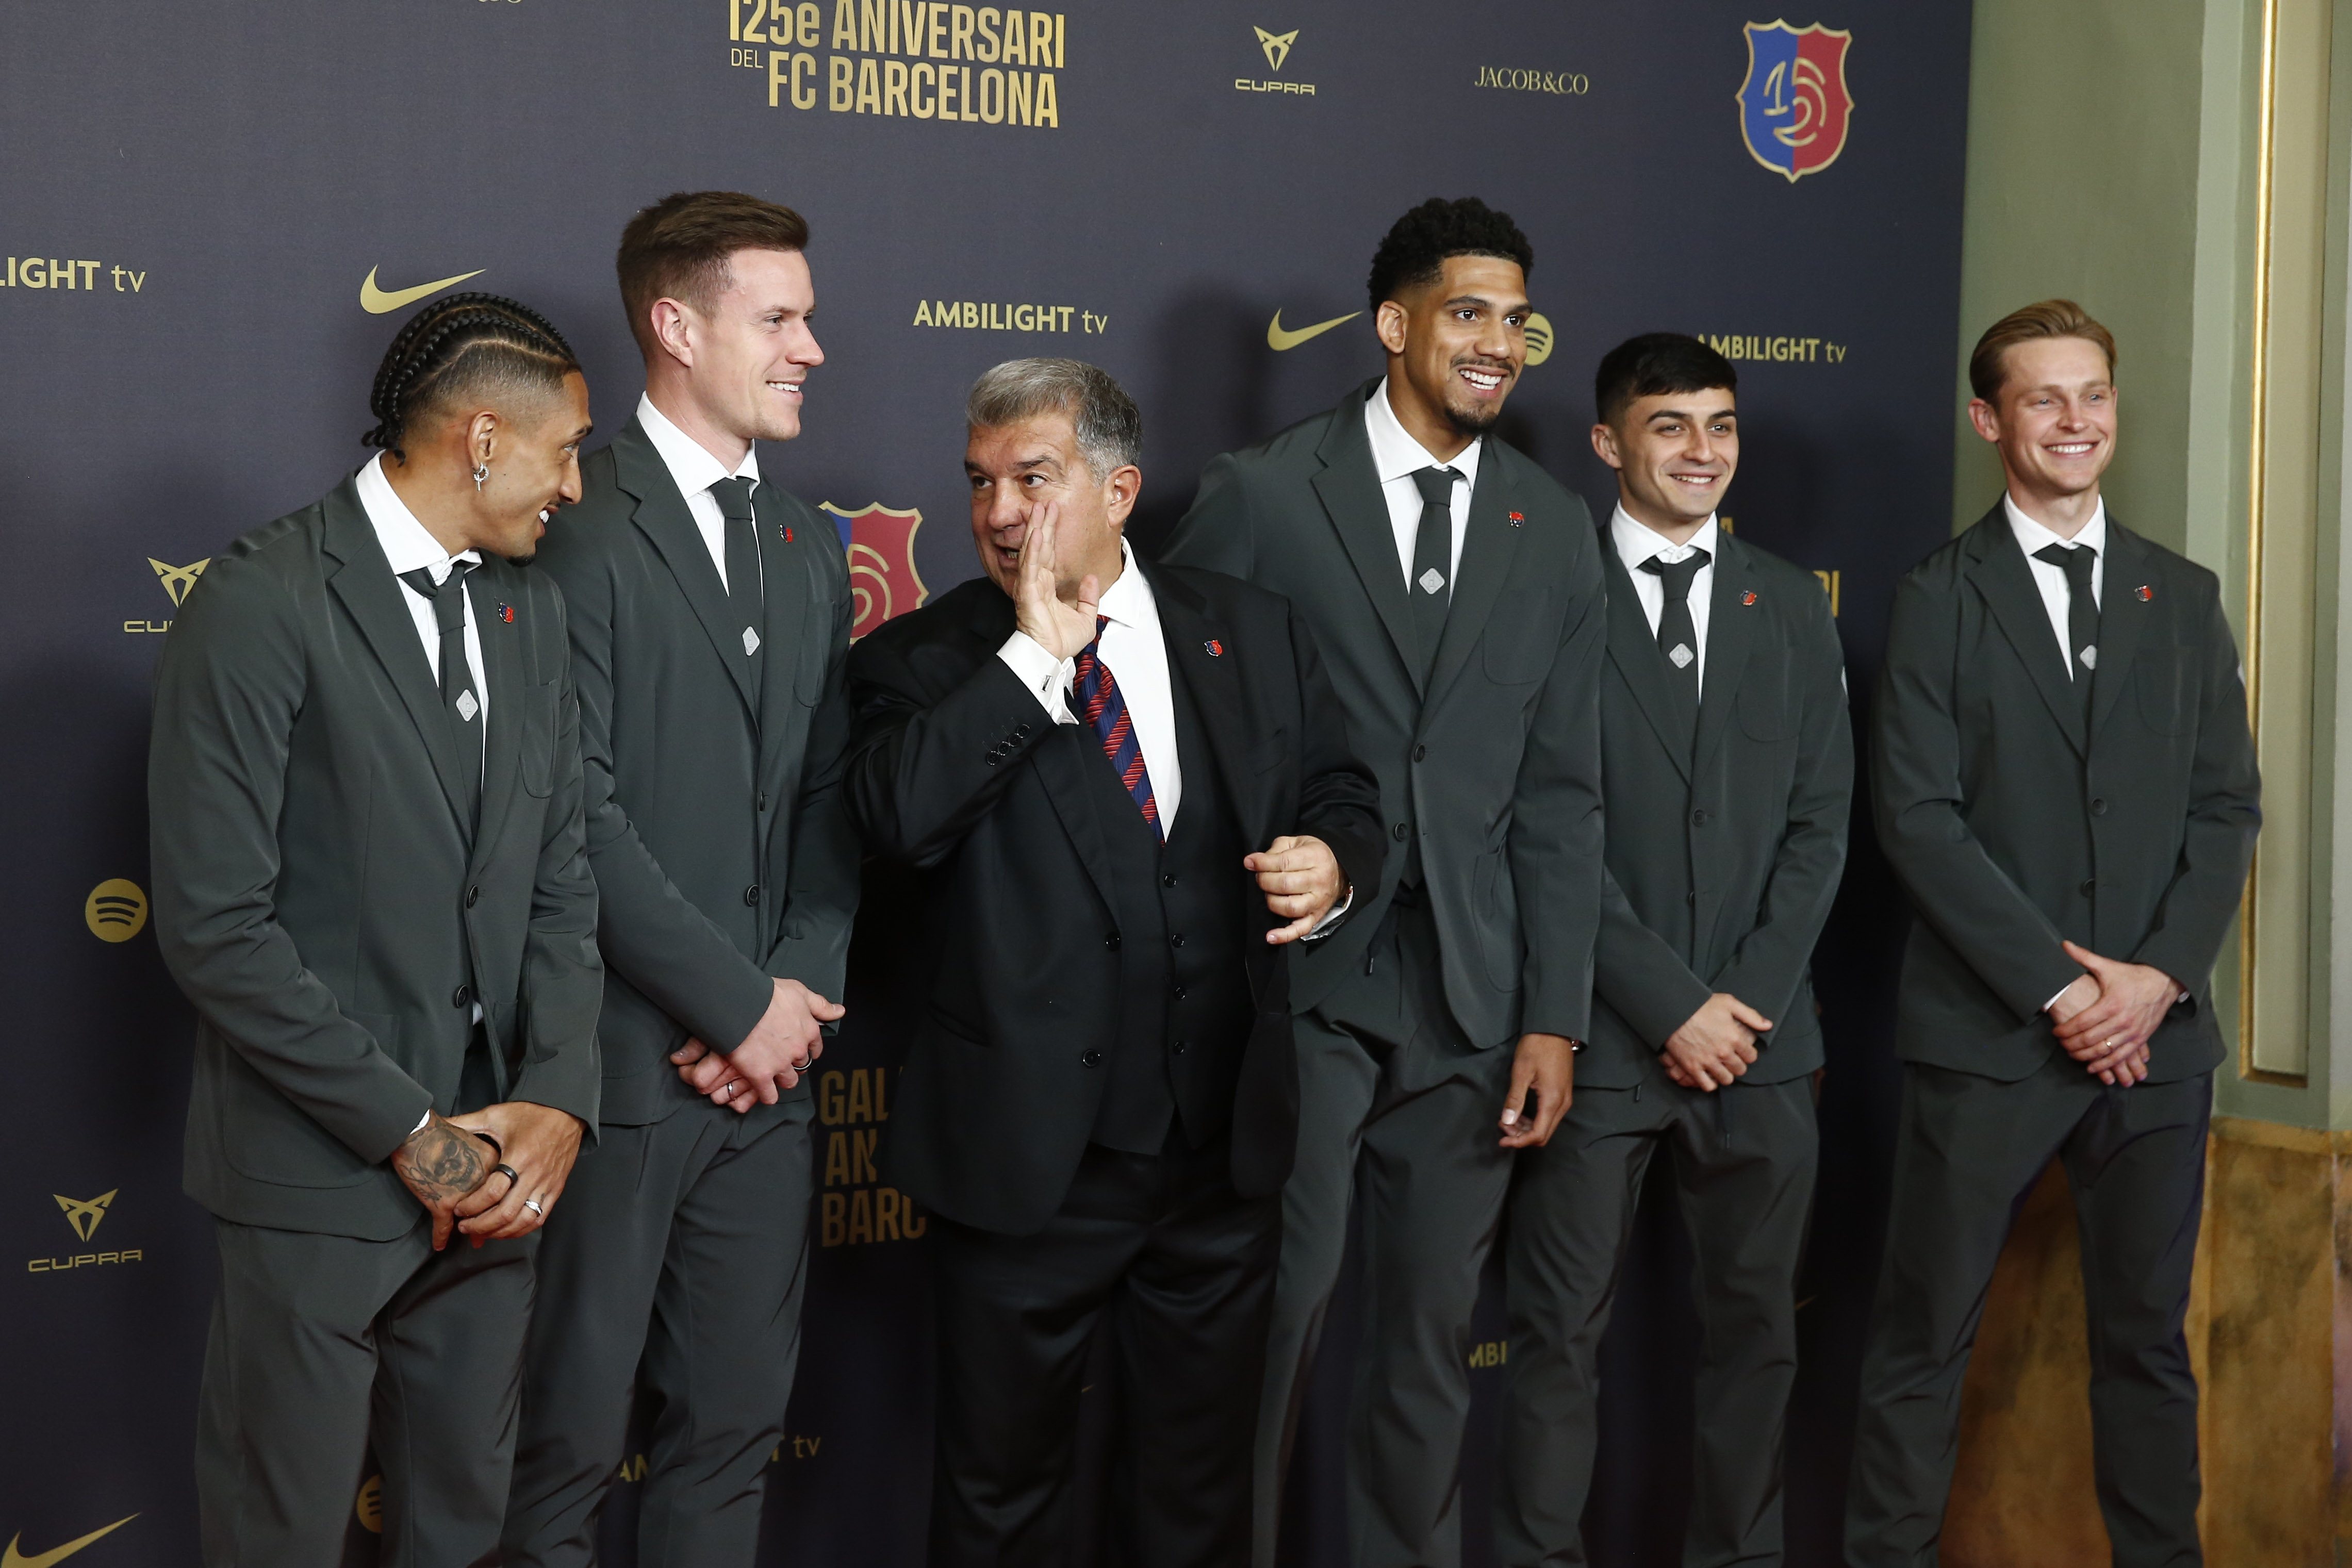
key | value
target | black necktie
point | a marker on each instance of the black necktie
(2082, 612)
(1677, 633)
(1431, 589)
(458, 698)
(744, 598)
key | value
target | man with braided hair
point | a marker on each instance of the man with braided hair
(372, 880)
(711, 616)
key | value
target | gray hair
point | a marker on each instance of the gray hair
(1108, 426)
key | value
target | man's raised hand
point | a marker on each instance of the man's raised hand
(1061, 629)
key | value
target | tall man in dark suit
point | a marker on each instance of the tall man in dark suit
(1454, 589)
(1129, 792)
(364, 801)
(710, 616)
(1730, 775)
(2066, 787)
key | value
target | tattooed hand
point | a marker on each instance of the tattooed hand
(441, 1164)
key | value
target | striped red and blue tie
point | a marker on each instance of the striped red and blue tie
(1106, 709)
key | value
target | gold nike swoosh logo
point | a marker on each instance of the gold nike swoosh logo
(378, 302)
(12, 1558)
(1278, 339)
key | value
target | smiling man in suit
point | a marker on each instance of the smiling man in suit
(1454, 589)
(1730, 775)
(365, 819)
(2065, 784)
(1129, 791)
(710, 616)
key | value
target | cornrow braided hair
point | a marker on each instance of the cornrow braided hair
(457, 341)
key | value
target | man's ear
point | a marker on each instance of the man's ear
(1985, 418)
(673, 330)
(1605, 446)
(1125, 484)
(1389, 324)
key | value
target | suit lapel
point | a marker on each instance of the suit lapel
(1351, 492)
(1214, 681)
(2122, 617)
(1730, 629)
(2001, 575)
(785, 608)
(662, 514)
(502, 744)
(363, 580)
(1489, 546)
(1634, 648)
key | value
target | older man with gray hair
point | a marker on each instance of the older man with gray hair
(1129, 790)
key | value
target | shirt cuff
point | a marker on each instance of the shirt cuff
(1047, 679)
(1323, 926)
(426, 1121)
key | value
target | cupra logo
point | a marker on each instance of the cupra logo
(1276, 45)
(178, 579)
(85, 1216)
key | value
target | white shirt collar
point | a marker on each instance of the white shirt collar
(1127, 600)
(1397, 455)
(407, 543)
(692, 465)
(2031, 536)
(1637, 542)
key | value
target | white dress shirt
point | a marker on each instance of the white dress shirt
(2056, 597)
(407, 546)
(1137, 655)
(1637, 542)
(1396, 458)
(695, 470)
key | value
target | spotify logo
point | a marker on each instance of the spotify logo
(117, 910)
(1539, 333)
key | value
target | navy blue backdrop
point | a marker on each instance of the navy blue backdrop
(197, 194)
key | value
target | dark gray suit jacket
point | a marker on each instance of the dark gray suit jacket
(721, 853)
(2012, 828)
(318, 895)
(1723, 857)
(1498, 761)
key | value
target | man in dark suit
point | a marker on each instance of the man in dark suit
(1730, 774)
(710, 616)
(2065, 784)
(1454, 589)
(1090, 759)
(365, 820)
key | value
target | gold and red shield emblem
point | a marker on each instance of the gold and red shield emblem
(880, 543)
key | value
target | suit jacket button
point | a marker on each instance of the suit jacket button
(1178, 991)
(1091, 1059)
(2088, 884)
(461, 996)
(763, 799)
(473, 895)
(751, 895)
(1182, 1046)
(1168, 880)
(1110, 940)
(2099, 807)
(1421, 754)
(1176, 939)
(1399, 831)
(1698, 818)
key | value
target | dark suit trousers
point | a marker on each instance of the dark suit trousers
(1157, 1250)
(320, 1344)
(676, 1264)
(1744, 1159)
(1397, 1110)
(1968, 1152)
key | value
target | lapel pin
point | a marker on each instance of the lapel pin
(1518, 517)
(506, 613)
(1216, 649)
(786, 531)
(2144, 593)
(1748, 597)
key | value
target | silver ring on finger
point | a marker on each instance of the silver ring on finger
(729, 1093)
(532, 1205)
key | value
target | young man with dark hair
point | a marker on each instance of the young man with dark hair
(711, 616)
(1454, 589)
(1129, 791)
(1730, 771)
(2065, 784)
(364, 802)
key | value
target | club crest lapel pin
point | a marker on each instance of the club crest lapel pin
(1748, 597)
(1518, 519)
(506, 613)
(1216, 649)
(2144, 592)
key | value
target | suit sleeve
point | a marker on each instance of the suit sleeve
(228, 689)
(1955, 886)
(2224, 814)
(922, 771)
(1638, 974)
(1216, 533)
(651, 934)
(821, 897)
(1556, 846)
(1339, 798)
(562, 974)
(1769, 963)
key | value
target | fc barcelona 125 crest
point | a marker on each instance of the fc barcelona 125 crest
(1794, 107)
(880, 543)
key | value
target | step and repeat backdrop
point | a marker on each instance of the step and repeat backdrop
(217, 215)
